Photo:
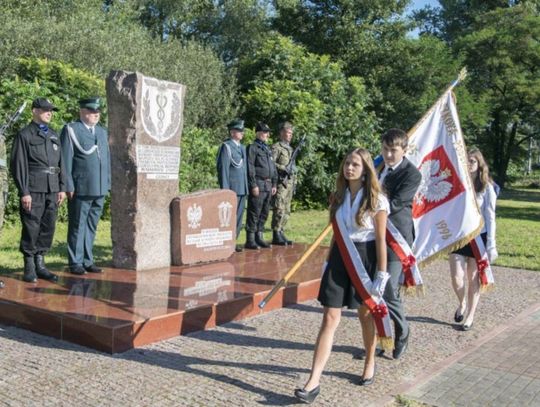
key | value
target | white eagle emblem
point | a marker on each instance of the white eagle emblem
(433, 187)
(194, 216)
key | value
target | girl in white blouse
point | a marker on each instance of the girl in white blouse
(462, 261)
(364, 210)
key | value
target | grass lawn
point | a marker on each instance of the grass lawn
(518, 235)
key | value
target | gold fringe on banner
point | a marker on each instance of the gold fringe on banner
(487, 288)
(386, 343)
(413, 291)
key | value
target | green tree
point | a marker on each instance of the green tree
(287, 82)
(403, 75)
(502, 54)
(98, 39)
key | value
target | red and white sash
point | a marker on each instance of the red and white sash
(410, 279)
(361, 281)
(485, 274)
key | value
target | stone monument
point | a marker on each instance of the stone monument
(145, 127)
(203, 226)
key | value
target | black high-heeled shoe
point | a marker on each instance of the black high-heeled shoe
(367, 382)
(457, 316)
(307, 397)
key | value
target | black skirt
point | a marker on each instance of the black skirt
(467, 249)
(336, 289)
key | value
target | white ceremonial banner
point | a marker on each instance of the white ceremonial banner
(445, 212)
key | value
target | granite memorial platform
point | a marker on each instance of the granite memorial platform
(121, 309)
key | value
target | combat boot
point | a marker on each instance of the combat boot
(42, 271)
(250, 241)
(289, 242)
(277, 239)
(29, 270)
(259, 239)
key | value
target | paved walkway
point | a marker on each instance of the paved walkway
(259, 361)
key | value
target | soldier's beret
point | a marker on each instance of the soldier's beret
(236, 124)
(285, 125)
(90, 103)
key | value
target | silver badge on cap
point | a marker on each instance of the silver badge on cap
(55, 147)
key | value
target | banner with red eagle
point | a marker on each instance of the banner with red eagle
(445, 212)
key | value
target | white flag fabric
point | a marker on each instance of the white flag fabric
(445, 212)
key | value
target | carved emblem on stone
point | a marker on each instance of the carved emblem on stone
(161, 108)
(225, 213)
(194, 216)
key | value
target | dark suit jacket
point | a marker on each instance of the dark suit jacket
(400, 186)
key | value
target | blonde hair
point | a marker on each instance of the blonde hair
(482, 178)
(370, 183)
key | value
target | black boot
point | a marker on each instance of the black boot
(250, 241)
(277, 239)
(29, 270)
(289, 242)
(259, 239)
(42, 271)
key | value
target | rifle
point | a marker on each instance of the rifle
(290, 167)
(12, 119)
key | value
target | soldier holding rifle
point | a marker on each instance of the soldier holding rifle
(284, 158)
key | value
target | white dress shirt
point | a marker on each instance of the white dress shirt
(366, 232)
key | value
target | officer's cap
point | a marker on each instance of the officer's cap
(286, 126)
(236, 124)
(90, 103)
(44, 104)
(262, 127)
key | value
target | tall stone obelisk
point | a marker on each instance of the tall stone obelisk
(145, 127)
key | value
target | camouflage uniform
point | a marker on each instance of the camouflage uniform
(282, 152)
(3, 179)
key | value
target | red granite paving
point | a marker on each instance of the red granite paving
(121, 309)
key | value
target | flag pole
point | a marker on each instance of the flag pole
(296, 266)
(462, 75)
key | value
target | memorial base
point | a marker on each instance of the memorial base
(122, 309)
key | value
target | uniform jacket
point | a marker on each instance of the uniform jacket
(86, 175)
(282, 153)
(262, 171)
(232, 167)
(400, 186)
(33, 153)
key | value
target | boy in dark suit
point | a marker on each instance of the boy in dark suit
(400, 180)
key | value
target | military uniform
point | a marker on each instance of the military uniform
(38, 171)
(85, 150)
(232, 174)
(232, 171)
(262, 174)
(282, 153)
(3, 179)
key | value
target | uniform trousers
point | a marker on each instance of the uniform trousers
(39, 224)
(259, 207)
(83, 214)
(240, 206)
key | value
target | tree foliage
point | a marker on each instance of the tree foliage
(502, 53)
(287, 82)
(98, 39)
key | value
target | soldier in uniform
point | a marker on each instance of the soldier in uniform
(3, 184)
(262, 181)
(232, 169)
(38, 171)
(85, 151)
(282, 153)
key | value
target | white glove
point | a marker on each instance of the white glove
(379, 283)
(323, 269)
(492, 255)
